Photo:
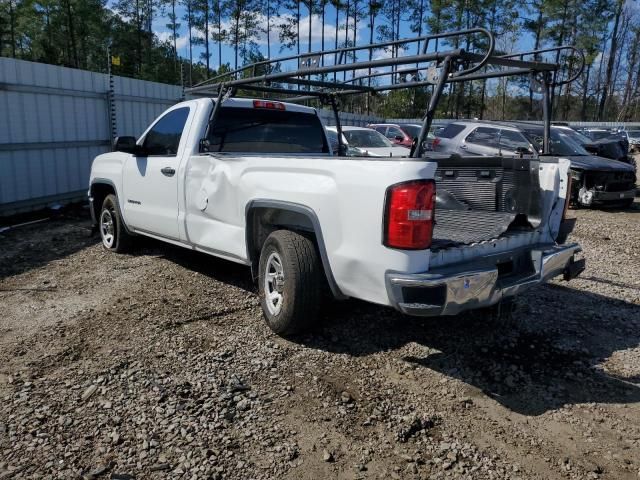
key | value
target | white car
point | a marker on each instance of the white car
(254, 182)
(367, 142)
(634, 139)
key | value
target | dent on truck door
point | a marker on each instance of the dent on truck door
(151, 180)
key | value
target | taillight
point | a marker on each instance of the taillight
(268, 104)
(435, 143)
(409, 215)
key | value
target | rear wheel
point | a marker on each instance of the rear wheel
(112, 232)
(290, 282)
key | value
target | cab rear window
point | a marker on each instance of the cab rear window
(256, 130)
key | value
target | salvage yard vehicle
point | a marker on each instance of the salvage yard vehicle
(605, 143)
(633, 135)
(402, 133)
(253, 181)
(398, 134)
(365, 142)
(595, 180)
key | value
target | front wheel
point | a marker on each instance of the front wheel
(290, 282)
(112, 232)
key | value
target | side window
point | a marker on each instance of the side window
(381, 129)
(484, 136)
(510, 140)
(394, 132)
(164, 137)
(450, 130)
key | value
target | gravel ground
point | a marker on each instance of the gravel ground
(159, 365)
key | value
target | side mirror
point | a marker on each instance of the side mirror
(399, 138)
(125, 144)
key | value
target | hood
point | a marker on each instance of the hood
(591, 162)
(386, 151)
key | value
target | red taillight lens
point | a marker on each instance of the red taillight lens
(268, 104)
(409, 215)
(435, 143)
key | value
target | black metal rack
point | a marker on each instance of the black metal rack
(308, 76)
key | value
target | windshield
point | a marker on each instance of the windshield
(560, 142)
(633, 133)
(366, 139)
(576, 136)
(599, 134)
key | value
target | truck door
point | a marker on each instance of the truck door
(150, 179)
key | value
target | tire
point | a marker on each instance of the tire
(111, 227)
(290, 282)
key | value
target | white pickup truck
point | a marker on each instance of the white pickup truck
(259, 186)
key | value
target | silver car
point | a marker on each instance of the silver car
(483, 138)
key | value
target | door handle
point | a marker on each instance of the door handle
(168, 171)
(463, 146)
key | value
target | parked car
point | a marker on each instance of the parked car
(633, 135)
(397, 134)
(366, 142)
(254, 182)
(596, 180)
(605, 143)
(607, 147)
(405, 133)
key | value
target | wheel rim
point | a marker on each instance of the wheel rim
(107, 228)
(274, 284)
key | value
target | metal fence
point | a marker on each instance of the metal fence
(352, 119)
(55, 120)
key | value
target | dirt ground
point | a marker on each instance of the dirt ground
(158, 365)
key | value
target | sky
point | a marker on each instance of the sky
(163, 32)
(523, 41)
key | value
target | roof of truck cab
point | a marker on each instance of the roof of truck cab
(248, 103)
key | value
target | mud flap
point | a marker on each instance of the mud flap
(575, 268)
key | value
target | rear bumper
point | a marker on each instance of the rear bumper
(455, 289)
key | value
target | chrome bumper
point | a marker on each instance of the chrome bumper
(451, 290)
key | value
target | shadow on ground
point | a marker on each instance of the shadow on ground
(549, 355)
(26, 247)
(545, 358)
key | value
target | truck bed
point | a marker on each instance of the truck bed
(483, 198)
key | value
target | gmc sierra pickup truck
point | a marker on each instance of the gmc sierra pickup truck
(259, 186)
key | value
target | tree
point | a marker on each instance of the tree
(188, 17)
(611, 58)
(244, 21)
(174, 26)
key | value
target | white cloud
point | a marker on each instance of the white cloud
(316, 31)
(165, 36)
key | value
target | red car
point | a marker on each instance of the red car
(398, 134)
